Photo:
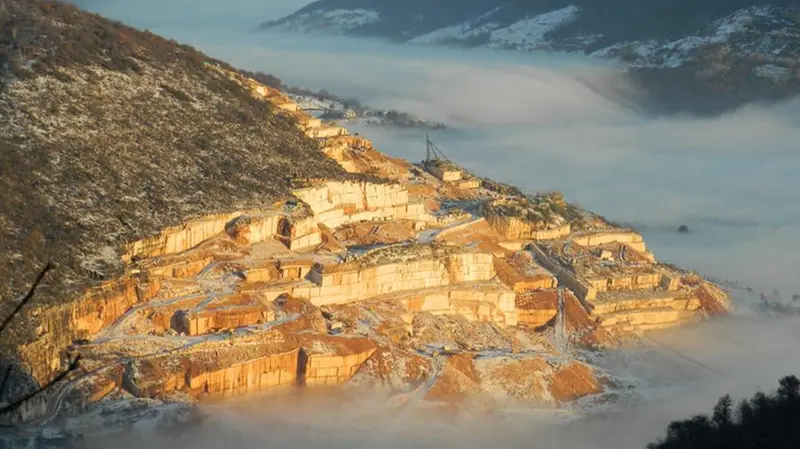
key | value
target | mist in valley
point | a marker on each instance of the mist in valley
(545, 122)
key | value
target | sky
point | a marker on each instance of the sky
(191, 14)
(551, 122)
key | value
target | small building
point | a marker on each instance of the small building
(326, 131)
(443, 170)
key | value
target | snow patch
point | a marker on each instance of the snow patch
(529, 33)
(675, 53)
(349, 19)
(454, 33)
(773, 71)
(723, 30)
(460, 31)
(526, 34)
(334, 20)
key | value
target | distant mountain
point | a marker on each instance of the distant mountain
(703, 56)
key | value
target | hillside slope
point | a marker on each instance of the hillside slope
(109, 134)
(703, 56)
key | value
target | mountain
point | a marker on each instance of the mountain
(212, 239)
(702, 56)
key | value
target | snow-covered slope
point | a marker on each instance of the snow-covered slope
(335, 20)
(755, 42)
(759, 31)
(528, 33)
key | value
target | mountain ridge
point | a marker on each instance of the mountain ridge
(704, 57)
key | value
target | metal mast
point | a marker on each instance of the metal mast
(432, 150)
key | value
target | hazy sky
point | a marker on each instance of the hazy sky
(171, 14)
(553, 123)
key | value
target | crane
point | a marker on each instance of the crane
(433, 151)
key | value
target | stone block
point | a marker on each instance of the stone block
(435, 302)
(332, 371)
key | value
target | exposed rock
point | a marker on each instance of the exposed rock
(457, 381)
(394, 369)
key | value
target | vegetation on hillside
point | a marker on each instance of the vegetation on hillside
(694, 87)
(109, 134)
(12, 396)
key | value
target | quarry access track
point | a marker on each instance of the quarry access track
(111, 332)
(430, 235)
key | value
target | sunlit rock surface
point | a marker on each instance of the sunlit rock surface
(362, 283)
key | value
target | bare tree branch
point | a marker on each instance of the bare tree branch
(27, 297)
(6, 376)
(16, 404)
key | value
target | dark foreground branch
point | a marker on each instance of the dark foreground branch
(7, 373)
(27, 297)
(73, 365)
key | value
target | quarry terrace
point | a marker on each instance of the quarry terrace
(421, 280)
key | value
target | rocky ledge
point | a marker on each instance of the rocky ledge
(428, 283)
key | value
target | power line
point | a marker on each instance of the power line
(685, 357)
(701, 364)
(740, 343)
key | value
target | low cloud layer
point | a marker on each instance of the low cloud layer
(570, 124)
(685, 373)
(564, 123)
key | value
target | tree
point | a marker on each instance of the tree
(764, 421)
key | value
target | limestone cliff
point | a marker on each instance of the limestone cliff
(213, 240)
(109, 135)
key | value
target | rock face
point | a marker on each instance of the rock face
(357, 279)
(107, 143)
(706, 56)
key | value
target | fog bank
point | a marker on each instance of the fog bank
(567, 123)
(684, 374)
